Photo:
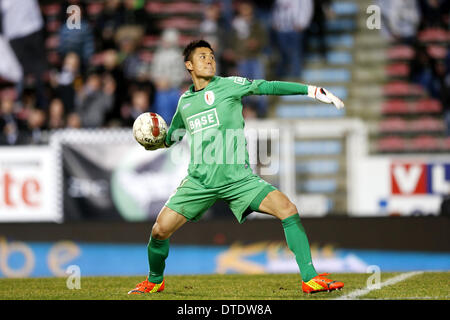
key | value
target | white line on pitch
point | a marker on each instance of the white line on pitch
(388, 282)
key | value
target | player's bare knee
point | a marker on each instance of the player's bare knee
(287, 209)
(159, 232)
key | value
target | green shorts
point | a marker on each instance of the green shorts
(192, 200)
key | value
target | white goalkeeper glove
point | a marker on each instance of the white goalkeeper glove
(323, 95)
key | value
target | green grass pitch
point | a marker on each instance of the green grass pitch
(425, 286)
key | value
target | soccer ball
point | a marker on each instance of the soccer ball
(149, 129)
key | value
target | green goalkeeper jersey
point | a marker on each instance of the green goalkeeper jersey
(213, 120)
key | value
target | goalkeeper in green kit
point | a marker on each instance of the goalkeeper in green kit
(210, 114)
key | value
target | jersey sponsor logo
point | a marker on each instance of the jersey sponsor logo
(203, 120)
(209, 97)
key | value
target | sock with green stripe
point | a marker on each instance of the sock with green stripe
(297, 241)
(157, 250)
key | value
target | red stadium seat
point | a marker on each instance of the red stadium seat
(395, 107)
(397, 70)
(436, 51)
(427, 106)
(400, 88)
(395, 124)
(391, 144)
(424, 143)
(434, 35)
(400, 52)
(51, 9)
(426, 124)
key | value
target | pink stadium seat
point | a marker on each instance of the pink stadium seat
(433, 35)
(395, 124)
(51, 9)
(424, 143)
(391, 144)
(436, 51)
(445, 144)
(400, 88)
(397, 70)
(400, 52)
(426, 124)
(94, 8)
(180, 23)
(427, 106)
(395, 107)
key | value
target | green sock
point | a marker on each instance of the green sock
(297, 241)
(157, 250)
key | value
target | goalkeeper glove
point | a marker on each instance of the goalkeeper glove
(323, 95)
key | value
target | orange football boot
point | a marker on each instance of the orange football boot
(147, 287)
(320, 283)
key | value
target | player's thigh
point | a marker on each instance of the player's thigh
(278, 205)
(167, 222)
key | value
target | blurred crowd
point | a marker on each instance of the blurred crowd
(101, 74)
(406, 22)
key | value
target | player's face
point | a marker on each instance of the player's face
(202, 64)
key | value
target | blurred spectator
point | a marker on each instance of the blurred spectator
(56, 114)
(135, 14)
(94, 100)
(79, 40)
(424, 71)
(66, 81)
(36, 131)
(10, 123)
(166, 100)
(322, 12)
(139, 104)
(73, 121)
(128, 39)
(22, 25)
(110, 66)
(402, 19)
(110, 19)
(434, 13)
(213, 30)
(167, 63)
(290, 20)
(248, 39)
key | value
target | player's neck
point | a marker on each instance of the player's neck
(201, 83)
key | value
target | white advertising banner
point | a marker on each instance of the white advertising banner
(393, 185)
(27, 185)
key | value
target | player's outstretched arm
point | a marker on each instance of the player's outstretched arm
(292, 88)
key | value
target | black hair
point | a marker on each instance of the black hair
(193, 45)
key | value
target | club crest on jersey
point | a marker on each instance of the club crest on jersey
(209, 97)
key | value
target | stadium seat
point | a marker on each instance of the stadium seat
(394, 107)
(400, 52)
(52, 9)
(391, 144)
(397, 70)
(319, 186)
(400, 88)
(394, 124)
(424, 143)
(318, 167)
(437, 51)
(427, 106)
(426, 124)
(327, 75)
(445, 144)
(309, 111)
(342, 8)
(434, 35)
(322, 147)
